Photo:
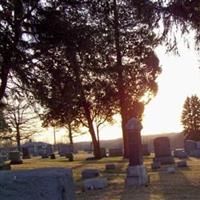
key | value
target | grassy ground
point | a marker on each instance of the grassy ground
(183, 185)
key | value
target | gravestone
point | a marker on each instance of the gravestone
(15, 157)
(180, 153)
(65, 149)
(4, 166)
(115, 152)
(110, 166)
(95, 183)
(52, 156)
(155, 165)
(171, 170)
(190, 146)
(162, 151)
(40, 184)
(90, 173)
(25, 153)
(145, 150)
(49, 150)
(103, 152)
(182, 163)
(136, 172)
(70, 156)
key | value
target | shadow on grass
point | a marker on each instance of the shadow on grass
(178, 185)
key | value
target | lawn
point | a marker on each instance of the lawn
(183, 185)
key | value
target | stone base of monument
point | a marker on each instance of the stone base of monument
(136, 176)
(164, 160)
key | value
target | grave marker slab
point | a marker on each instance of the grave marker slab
(15, 157)
(90, 173)
(95, 183)
(115, 152)
(40, 184)
(162, 151)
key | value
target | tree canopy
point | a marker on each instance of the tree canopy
(191, 118)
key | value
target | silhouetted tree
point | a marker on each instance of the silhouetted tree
(20, 117)
(191, 118)
(16, 36)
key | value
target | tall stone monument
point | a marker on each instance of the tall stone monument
(136, 172)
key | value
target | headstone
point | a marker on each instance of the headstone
(180, 153)
(65, 149)
(136, 172)
(195, 153)
(103, 152)
(44, 155)
(70, 156)
(4, 166)
(115, 152)
(52, 156)
(49, 150)
(162, 151)
(15, 157)
(110, 166)
(95, 183)
(40, 184)
(190, 146)
(182, 163)
(90, 173)
(198, 144)
(155, 165)
(145, 150)
(171, 170)
(25, 153)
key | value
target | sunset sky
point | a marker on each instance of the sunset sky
(180, 78)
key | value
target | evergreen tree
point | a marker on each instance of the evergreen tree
(191, 118)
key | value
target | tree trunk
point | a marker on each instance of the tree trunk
(97, 152)
(70, 136)
(98, 138)
(84, 103)
(18, 138)
(120, 83)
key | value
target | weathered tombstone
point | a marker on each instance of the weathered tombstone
(155, 165)
(49, 150)
(4, 166)
(136, 171)
(110, 166)
(190, 146)
(44, 155)
(182, 163)
(171, 170)
(95, 183)
(115, 152)
(195, 153)
(198, 144)
(103, 152)
(162, 151)
(65, 149)
(52, 156)
(40, 184)
(180, 153)
(15, 157)
(145, 150)
(70, 157)
(25, 153)
(90, 173)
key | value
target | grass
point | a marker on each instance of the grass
(183, 185)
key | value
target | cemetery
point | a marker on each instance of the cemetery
(162, 174)
(94, 100)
